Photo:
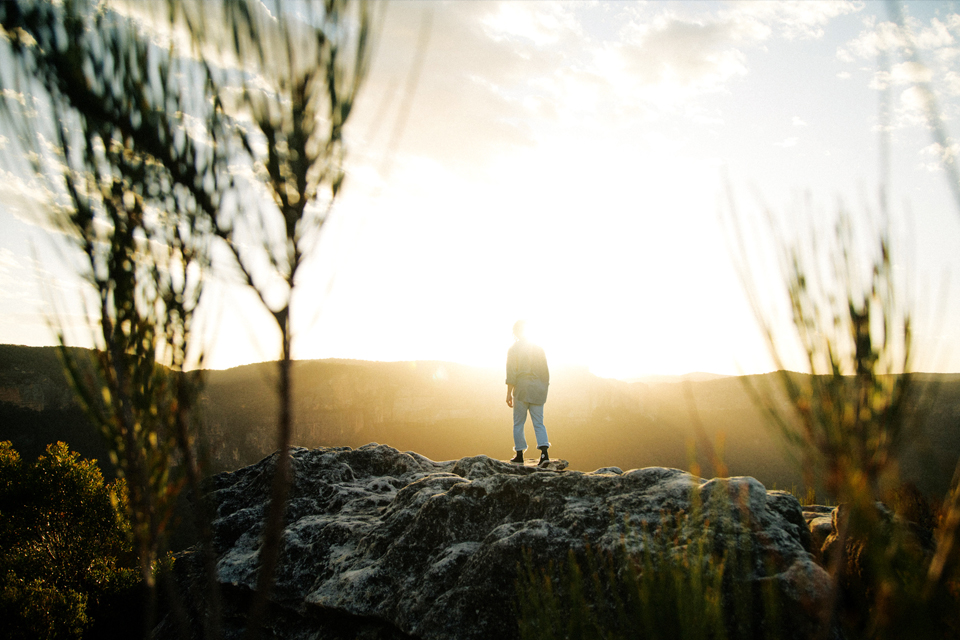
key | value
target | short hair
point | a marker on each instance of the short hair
(519, 327)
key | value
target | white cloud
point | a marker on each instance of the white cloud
(541, 23)
(951, 83)
(886, 37)
(501, 76)
(684, 55)
(940, 156)
(912, 107)
(796, 19)
(674, 53)
(8, 261)
(478, 82)
(787, 143)
(923, 56)
(901, 74)
(910, 72)
(798, 122)
(937, 34)
(18, 278)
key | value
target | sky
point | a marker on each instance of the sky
(573, 164)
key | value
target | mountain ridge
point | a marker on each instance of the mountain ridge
(447, 410)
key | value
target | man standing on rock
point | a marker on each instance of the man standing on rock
(527, 380)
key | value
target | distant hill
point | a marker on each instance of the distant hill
(37, 405)
(448, 411)
(696, 376)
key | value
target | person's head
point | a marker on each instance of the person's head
(519, 328)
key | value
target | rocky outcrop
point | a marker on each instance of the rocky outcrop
(820, 522)
(385, 544)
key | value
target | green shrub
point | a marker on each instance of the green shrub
(64, 543)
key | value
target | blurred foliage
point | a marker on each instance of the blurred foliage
(101, 112)
(849, 421)
(690, 577)
(65, 545)
(893, 576)
(137, 118)
(294, 74)
(850, 418)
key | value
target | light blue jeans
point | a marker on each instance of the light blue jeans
(520, 418)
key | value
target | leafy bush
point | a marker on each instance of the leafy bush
(64, 543)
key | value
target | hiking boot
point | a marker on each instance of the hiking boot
(518, 459)
(543, 456)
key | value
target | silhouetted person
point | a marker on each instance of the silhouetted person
(527, 380)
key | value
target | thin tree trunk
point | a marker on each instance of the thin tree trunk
(280, 489)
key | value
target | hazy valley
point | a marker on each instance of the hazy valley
(447, 411)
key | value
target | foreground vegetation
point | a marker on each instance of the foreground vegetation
(66, 560)
(160, 133)
(692, 577)
(686, 578)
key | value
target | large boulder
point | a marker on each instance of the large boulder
(384, 544)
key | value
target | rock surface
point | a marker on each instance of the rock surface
(384, 544)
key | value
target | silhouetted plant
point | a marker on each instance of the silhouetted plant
(943, 575)
(848, 420)
(143, 194)
(298, 81)
(135, 192)
(850, 416)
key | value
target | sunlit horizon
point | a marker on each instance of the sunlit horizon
(570, 164)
